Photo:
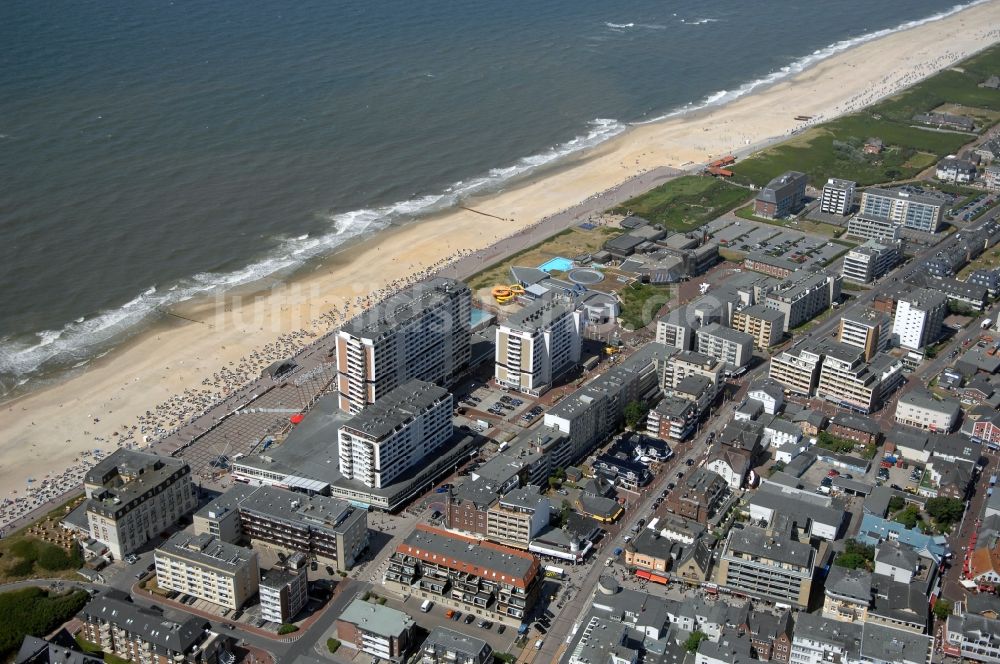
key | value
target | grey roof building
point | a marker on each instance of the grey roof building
(445, 645)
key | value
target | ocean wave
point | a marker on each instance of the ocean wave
(724, 96)
(79, 341)
(619, 26)
(699, 21)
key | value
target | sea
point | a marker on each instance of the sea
(157, 151)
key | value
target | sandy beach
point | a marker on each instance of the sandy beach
(183, 366)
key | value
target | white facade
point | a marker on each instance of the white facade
(422, 332)
(283, 597)
(537, 345)
(391, 436)
(133, 496)
(838, 197)
(772, 400)
(734, 477)
(918, 320)
(923, 412)
(725, 344)
(870, 261)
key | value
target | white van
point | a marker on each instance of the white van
(426, 606)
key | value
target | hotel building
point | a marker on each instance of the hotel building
(797, 369)
(537, 345)
(729, 346)
(133, 496)
(422, 332)
(387, 438)
(781, 196)
(283, 593)
(847, 379)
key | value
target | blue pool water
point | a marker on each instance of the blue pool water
(478, 316)
(557, 263)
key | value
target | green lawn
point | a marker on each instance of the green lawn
(686, 202)
(641, 302)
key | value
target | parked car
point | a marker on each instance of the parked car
(469, 619)
(501, 629)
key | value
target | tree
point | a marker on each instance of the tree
(855, 555)
(288, 628)
(635, 414)
(942, 609)
(332, 645)
(896, 503)
(777, 467)
(945, 511)
(909, 517)
(693, 641)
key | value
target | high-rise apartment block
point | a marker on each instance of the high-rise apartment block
(422, 332)
(919, 317)
(538, 344)
(386, 439)
(867, 329)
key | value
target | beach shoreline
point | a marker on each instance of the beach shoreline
(48, 428)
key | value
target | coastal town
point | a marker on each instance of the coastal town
(745, 410)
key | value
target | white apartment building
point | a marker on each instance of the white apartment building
(867, 329)
(395, 433)
(919, 317)
(838, 197)
(918, 408)
(913, 210)
(870, 261)
(208, 568)
(867, 227)
(538, 344)
(730, 346)
(847, 379)
(422, 332)
(283, 593)
(133, 496)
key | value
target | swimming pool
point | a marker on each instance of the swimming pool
(558, 263)
(479, 316)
